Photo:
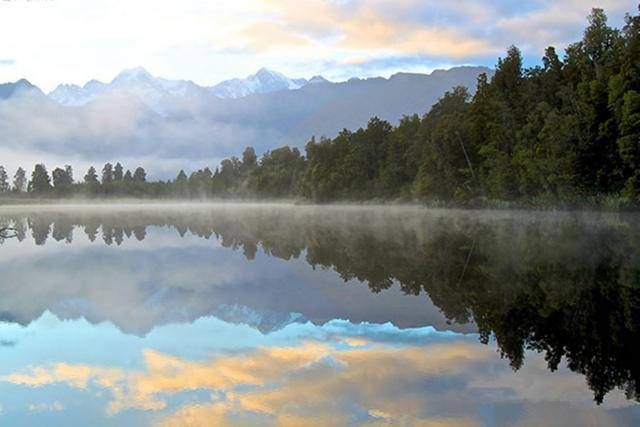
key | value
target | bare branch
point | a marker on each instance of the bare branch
(8, 233)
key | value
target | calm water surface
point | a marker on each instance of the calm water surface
(229, 315)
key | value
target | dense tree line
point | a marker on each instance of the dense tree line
(60, 182)
(566, 131)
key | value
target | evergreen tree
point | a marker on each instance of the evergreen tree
(182, 177)
(229, 177)
(69, 170)
(107, 174)
(118, 172)
(62, 179)
(249, 160)
(181, 184)
(140, 175)
(589, 63)
(499, 175)
(91, 177)
(279, 173)
(624, 99)
(447, 169)
(4, 180)
(40, 181)
(199, 183)
(402, 158)
(20, 181)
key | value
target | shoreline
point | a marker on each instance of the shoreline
(495, 206)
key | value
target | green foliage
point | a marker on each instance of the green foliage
(62, 179)
(118, 173)
(4, 180)
(140, 175)
(40, 181)
(447, 160)
(20, 181)
(350, 166)
(91, 177)
(279, 173)
(107, 174)
(402, 159)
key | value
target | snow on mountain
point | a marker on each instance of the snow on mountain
(152, 91)
(7, 90)
(264, 81)
(71, 95)
(266, 321)
(157, 92)
(317, 80)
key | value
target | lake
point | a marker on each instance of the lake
(203, 314)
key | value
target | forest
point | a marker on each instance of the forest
(565, 132)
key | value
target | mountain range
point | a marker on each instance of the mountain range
(153, 90)
(167, 125)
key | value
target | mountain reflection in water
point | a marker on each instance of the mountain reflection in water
(240, 315)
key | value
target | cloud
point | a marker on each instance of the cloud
(320, 383)
(77, 376)
(464, 31)
(552, 23)
(264, 36)
(120, 128)
(211, 41)
(359, 26)
(45, 407)
(5, 62)
(308, 383)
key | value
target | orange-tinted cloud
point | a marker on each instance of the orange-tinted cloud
(353, 28)
(320, 384)
(264, 36)
(305, 384)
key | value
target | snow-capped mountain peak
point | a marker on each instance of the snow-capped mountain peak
(70, 95)
(263, 81)
(138, 82)
(265, 73)
(138, 74)
(317, 79)
(155, 91)
(93, 85)
(7, 90)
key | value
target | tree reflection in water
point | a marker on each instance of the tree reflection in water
(565, 285)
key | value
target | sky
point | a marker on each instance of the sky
(73, 41)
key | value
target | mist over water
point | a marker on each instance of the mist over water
(249, 314)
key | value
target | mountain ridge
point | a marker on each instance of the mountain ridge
(184, 126)
(151, 89)
(142, 83)
(9, 89)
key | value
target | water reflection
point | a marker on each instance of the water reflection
(562, 285)
(336, 374)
